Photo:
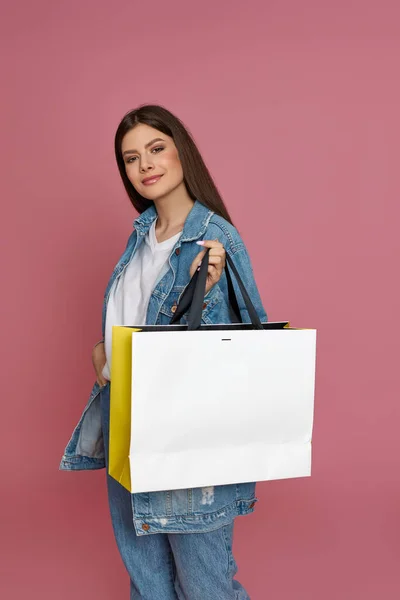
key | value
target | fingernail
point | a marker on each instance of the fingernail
(199, 265)
(200, 243)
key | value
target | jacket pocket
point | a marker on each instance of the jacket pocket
(211, 307)
(168, 307)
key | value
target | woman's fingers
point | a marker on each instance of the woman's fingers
(210, 244)
(101, 381)
(216, 260)
(216, 254)
(99, 360)
(199, 257)
(196, 262)
(213, 272)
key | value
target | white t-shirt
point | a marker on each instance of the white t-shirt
(130, 294)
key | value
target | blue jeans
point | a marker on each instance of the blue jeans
(176, 566)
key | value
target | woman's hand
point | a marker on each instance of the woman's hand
(216, 262)
(99, 360)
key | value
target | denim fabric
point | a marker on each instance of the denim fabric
(196, 566)
(193, 510)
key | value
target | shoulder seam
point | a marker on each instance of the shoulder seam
(220, 223)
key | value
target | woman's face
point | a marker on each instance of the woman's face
(151, 162)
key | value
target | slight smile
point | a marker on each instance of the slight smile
(151, 180)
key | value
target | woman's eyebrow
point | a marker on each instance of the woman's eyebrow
(146, 146)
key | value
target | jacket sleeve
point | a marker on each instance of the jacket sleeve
(217, 300)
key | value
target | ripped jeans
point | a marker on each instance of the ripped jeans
(170, 566)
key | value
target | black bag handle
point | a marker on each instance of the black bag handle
(187, 299)
(192, 298)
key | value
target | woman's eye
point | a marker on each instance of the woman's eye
(155, 150)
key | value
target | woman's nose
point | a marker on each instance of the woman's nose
(145, 165)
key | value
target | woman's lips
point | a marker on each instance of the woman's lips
(151, 180)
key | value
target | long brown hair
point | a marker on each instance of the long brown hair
(198, 181)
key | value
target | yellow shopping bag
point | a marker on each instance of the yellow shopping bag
(120, 405)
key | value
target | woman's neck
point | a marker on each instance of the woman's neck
(172, 213)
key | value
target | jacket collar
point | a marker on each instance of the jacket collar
(195, 225)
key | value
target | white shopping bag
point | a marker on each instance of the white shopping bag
(220, 404)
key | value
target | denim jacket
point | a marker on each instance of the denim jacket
(192, 510)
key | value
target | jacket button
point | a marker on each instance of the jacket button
(252, 505)
(204, 305)
(173, 309)
(178, 251)
(145, 527)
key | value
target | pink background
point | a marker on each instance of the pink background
(295, 107)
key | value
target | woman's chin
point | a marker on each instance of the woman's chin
(156, 195)
(160, 191)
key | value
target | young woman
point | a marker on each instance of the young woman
(175, 544)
